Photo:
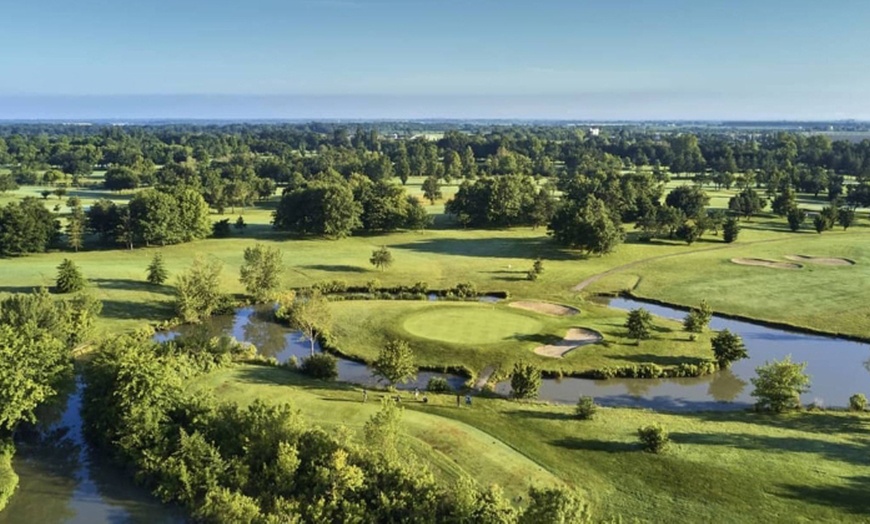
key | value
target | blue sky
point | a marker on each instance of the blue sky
(435, 58)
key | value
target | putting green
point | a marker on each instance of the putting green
(470, 325)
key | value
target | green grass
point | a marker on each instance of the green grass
(720, 467)
(476, 335)
(470, 325)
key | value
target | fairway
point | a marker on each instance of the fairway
(478, 325)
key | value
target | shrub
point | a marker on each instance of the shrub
(858, 402)
(465, 290)
(653, 437)
(329, 287)
(420, 287)
(586, 408)
(373, 285)
(438, 385)
(69, 278)
(525, 380)
(321, 366)
(779, 384)
(532, 276)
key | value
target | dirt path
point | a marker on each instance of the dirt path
(574, 338)
(483, 378)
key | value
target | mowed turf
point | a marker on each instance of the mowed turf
(470, 325)
(362, 328)
(720, 467)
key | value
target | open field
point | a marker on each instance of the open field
(474, 336)
(721, 467)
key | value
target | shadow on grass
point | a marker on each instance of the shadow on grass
(22, 289)
(338, 268)
(287, 377)
(132, 285)
(851, 497)
(495, 247)
(540, 338)
(858, 454)
(125, 310)
(540, 414)
(595, 445)
(811, 422)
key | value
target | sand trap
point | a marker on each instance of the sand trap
(773, 264)
(574, 338)
(822, 261)
(546, 308)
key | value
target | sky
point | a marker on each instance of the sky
(368, 59)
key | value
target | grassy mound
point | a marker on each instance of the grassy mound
(477, 325)
(721, 466)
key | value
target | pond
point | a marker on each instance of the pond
(256, 325)
(63, 480)
(838, 368)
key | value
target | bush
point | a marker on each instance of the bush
(465, 290)
(330, 287)
(654, 438)
(586, 408)
(321, 366)
(779, 384)
(858, 402)
(438, 385)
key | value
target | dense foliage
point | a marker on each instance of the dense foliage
(779, 385)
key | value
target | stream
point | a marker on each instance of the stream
(63, 480)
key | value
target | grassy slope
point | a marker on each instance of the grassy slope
(363, 327)
(722, 467)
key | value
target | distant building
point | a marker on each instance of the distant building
(594, 131)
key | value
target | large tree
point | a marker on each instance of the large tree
(325, 209)
(727, 348)
(586, 226)
(690, 199)
(307, 312)
(198, 291)
(747, 203)
(261, 271)
(395, 363)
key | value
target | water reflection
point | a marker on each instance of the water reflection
(63, 480)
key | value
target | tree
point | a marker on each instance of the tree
(585, 408)
(689, 199)
(118, 178)
(846, 217)
(27, 226)
(819, 223)
(784, 202)
(639, 324)
(588, 226)
(727, 348)
(795, 217)
(308, 312)
(747, 203)
(261, 271)
(75, 229)
(555, 506)
(469, 164)
(321, 208)
(525, 380)
(653, 437)
(197, 291)
(779, 385)
(157, 273)
(69, 278)
(698, 318)
(730, 230)
(689, 233)
(431, 189)
(395, 363)
(381, 258)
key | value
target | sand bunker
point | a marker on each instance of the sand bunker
(773, 264)
(546, 308)
(822, 261)
(574, 338)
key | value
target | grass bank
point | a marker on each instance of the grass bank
(720, 467)
(8, 477)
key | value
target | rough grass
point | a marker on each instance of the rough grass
(363, 327)
(720, 467)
